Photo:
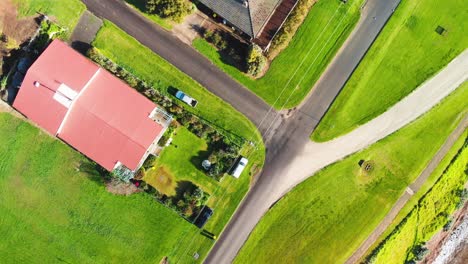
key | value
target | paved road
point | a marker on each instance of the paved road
(183, 57)
(413, 188)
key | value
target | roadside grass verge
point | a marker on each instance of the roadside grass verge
(412, 203)
(327, 217)
(406, 53)
(226, 195)
(317, 40)
(431, 214)
(65, 12)
(55, 207)
(140, 6)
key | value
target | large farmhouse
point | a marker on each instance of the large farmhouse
(90, 109)
(258, 19)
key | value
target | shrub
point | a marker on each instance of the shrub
(216, 38)
(175, 10)
(255, 60)
(149, 162)
(287, 31)
(140, 174)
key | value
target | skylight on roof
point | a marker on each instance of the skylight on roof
(65, 101)
(67, 91)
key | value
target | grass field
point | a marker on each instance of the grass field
(65, 12)
(327, 217)
(407, 52)
(55, 208)
(181, 162)
(293, 73)
(436, 174)
(143, 63)
(140, 6)
(427, 217)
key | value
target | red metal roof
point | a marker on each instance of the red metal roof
(108, 121)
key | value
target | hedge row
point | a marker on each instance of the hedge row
(289, 28)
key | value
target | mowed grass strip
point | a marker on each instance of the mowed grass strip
(293, 73)
(55, 208)
(406, 53)
(65, 12)
(327, 217)
(146, 65)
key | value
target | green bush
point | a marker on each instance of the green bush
(286, 33)
(216, 38)
(175, 10)
(149, 162)
(255, 60)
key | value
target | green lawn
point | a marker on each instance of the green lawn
(54, 207)
(181, 161)
(143, 63)
(293, 73)
(65, 12)
(326, 218)
(428, 216)
(407, 52)
(140, 6)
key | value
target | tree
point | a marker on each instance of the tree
(255, 60)
(172, 9)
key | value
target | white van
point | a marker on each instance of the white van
(240, 167)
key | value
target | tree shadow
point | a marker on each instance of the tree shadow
(139, 4)
(200, 30)
(183, 187)
(94, 172)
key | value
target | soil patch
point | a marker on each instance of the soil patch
(121, 188)
(15, 31)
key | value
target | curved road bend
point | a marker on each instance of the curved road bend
(183, 57)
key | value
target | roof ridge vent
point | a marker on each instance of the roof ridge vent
(245, 3)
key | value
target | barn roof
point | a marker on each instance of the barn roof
(88, 108)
